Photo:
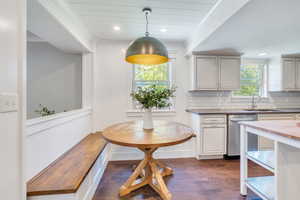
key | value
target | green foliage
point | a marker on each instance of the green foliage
(247, 90)
(151, 73)
(44, 111)
(153, 96)
(250, 81)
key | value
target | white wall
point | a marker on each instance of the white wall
(54, 78)
(113, 79)
(12, 35)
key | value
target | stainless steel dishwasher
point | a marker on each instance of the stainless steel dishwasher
(233, 137)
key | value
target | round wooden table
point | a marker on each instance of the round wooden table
(149, 171)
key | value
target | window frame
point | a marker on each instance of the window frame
(265, 76)
(171, 80)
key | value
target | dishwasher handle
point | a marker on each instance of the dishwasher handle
(242, 119)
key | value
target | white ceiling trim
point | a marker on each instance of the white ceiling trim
(217, 16)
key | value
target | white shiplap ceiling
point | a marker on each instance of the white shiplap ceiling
(179, 17)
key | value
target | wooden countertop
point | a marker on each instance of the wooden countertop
(285, 128)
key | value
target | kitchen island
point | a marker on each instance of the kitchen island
(283, 161)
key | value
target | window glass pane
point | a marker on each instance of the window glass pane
(251, 80)
(151, 73)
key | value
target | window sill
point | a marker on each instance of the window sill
(139, 113)
(249, 99)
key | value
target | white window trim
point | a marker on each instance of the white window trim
(134, 112)
(250, 61)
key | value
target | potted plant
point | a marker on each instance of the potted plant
(150, 97)
(44, 111)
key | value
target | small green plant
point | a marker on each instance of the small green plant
(44, 111)
(154, 96)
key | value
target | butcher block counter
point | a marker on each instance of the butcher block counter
(283, 161)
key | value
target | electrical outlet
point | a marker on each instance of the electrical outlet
(8, 102)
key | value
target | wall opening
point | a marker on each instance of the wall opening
(54, 79)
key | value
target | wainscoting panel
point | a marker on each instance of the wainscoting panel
(47, 138)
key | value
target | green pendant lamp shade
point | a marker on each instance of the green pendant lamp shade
(147, 50)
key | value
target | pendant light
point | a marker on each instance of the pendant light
(147, 50)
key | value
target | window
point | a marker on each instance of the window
(148, 75)
(145, 75)
(253, 79)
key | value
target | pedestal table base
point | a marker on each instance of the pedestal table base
(148, 172)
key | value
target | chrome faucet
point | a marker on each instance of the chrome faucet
(254, 103)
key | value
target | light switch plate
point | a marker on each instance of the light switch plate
(8, 102)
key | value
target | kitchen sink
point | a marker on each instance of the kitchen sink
(261, 109)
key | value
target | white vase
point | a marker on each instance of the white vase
(148, 121)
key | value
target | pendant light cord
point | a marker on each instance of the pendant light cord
(147, 23)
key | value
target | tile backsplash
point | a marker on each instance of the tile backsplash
(223, 100)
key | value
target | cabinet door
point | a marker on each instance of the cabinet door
(207, 73)
(230, 73)
(289, 74)
(298, 74)
(214, 140)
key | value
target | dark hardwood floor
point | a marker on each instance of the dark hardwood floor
(193, 180)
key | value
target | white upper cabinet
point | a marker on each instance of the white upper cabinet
(216, 72)
(230, 73)
(298, 73)
(284, 74)
(207, 73)
(289, 74)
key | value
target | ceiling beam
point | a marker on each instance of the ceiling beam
(216, 17)
(54, 23)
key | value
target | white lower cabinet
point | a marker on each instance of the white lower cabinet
(213, 140)
(211, 135)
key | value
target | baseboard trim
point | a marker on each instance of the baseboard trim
(209, 157)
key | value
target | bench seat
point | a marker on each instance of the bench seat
(68, 172)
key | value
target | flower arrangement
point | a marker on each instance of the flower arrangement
(153, 96)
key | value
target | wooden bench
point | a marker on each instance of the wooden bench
(74, 175)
